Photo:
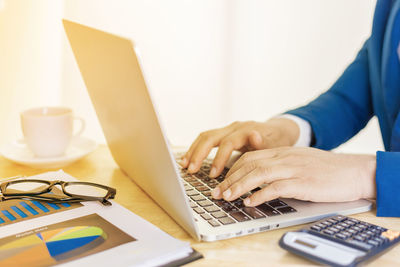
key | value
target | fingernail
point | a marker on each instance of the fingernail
(247, 201)
(215, 193)
(191, 167)
(183, 162)
(227, 193)
(213, 172)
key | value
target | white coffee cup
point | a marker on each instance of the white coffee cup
(48, 130)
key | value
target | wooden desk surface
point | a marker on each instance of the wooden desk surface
(252, 250)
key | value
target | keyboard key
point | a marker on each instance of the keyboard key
(187, 187)
(229, 208)
(202, 188)
(192, 204)
(212, 208)
(205, 203)
(238, 203)
(253, 212)
(287, 209)
(207, 193)
(206, 216)
(197, 198)
(218, 214)
(226, 220)
(199, 210)
(240, 216)
(276, 203)
(196, 183)
(267, 210)
(213, 222)
(192, 192)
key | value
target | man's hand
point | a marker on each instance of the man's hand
(241, 136)
(302, 173)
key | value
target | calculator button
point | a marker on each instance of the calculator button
(339, 227)
(332, 221)
(362, 226)
(359, 238)
(320, 225)
(380, 240)
(349, 222)
(326, 223)
(373, 242)
(351, 231)
(347, 234)
(344, 224)
(333, 229)
(370, 233)
(328, 232)
(339, 218)
(391, 234)
(361, 245)
(356, 228)
(341, 236)
(316, 228)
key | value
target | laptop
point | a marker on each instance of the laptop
(111, 69)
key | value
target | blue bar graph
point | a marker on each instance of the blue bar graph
(54, 206)
(16, 210)
(8, 215)
(40, 206)
(19, 212)
(28, 208)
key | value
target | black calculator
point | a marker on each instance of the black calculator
(340, 241)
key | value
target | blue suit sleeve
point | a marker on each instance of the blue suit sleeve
(342, 111)
(387, 184)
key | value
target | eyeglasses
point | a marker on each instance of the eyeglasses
(47, 191)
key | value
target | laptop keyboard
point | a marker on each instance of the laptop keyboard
(217, 212)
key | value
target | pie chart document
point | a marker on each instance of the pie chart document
(89, 234)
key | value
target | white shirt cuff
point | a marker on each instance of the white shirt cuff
(305, 135)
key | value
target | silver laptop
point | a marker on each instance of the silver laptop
(111, 70)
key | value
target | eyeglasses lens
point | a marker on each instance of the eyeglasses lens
(26, 187)
(85, 190)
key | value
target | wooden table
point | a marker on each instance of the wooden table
(253, 250)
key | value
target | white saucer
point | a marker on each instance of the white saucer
(18, 152)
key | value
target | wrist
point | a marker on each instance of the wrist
(368, 184)
(288, 129)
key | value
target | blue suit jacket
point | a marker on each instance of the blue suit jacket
(370, 86)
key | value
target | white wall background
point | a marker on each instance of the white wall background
(209, 62)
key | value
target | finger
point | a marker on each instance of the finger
(207, 141)
(287, 188)
(253, 156)
(252, 178)
(185, 159)
(230, 143)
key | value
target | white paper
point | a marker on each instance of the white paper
(152, 247)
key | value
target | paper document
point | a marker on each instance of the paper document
(34, 234)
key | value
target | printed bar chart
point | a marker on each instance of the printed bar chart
(16, 210)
